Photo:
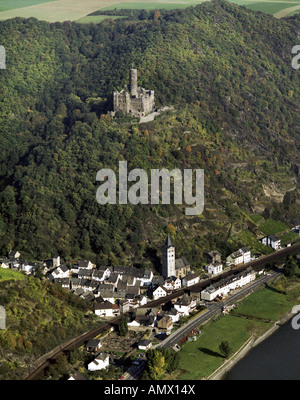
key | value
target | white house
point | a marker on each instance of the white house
(147, 277)
(223, 287)
(145, 345)
(272, 241)
(100, 362)
(5, 263)
(275, 242)
(172, 283)
(174, 314)
(56, 261)
(159, 292)
(190, 279)
(14, 254)
(62, 271)
(28, 268)
(86, 264)
(135, 323)
(185, 305)
(106, 309)
(235, 258)
(246, 254)
(214, 268)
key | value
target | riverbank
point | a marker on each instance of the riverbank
(246, 347)
(255, 318)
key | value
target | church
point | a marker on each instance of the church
(170, 265)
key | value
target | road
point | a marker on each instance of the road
(38, 368)
(213, 309)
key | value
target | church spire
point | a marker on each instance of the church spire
(168, 242)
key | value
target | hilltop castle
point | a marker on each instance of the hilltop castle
(138, 102)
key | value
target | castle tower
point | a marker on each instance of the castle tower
(168, 259)
(133, 82)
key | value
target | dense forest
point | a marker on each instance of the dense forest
(226, 71)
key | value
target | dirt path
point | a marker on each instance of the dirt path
(286, 11)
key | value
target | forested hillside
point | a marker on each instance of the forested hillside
(227, 72)
(39, 317)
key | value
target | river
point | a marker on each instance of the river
(276, 358)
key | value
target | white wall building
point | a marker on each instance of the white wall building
(272, 241)
(159, 292)
(214, 268)
(223, 287)
(246, 254)
(172, 283)
(190, 280)
(100, 362)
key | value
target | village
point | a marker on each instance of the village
(116, 290)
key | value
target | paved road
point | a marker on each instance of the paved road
(214, 309)
(135, 372)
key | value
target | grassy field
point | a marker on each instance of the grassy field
(269, 7)
(201, 358)
(13, 4)
(272, 227)
(95, 19)
(66, 10)
(249, 239)
(6, 274)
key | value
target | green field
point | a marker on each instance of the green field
(289, 237)
(268, 7)
(6, 274)
(255, 218)
(248, 238)
(13, 4)
(201, 358)
(272, 227)
(77, 10)
(95, 19)
(147, 5)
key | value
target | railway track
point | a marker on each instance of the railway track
(80, 340)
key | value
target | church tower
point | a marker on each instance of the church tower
(168, 259)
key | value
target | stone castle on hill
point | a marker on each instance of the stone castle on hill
(137, 102)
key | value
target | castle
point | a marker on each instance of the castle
(139, 102)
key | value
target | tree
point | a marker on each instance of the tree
(123, 326)
(225, 349)
(290, 267)
(156, 364)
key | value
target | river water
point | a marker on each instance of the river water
(276, 358)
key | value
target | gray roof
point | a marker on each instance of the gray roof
(189, 277)
(106, 305)
(78, 377)
(145, 342)
(93, 343)
(85, 272)
(168, 242)
(181, 263)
